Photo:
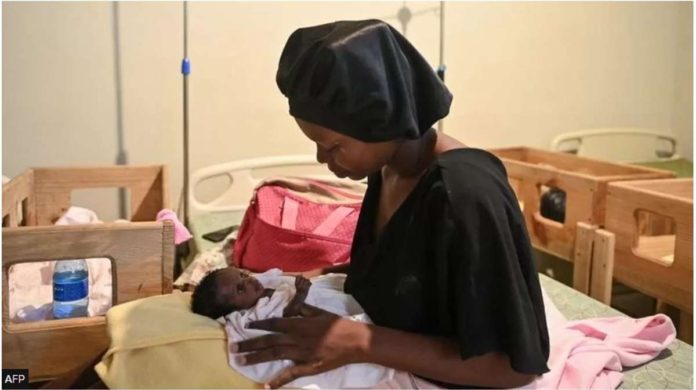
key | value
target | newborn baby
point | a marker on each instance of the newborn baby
(226, 290)
(235, 298)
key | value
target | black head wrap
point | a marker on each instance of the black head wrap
(362, 79)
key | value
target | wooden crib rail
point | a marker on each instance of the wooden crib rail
(672, 283)
(584, 182)
(18, 206)
(53, 188)
(142, 256)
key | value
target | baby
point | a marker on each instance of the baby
(235, 299)
(227, 290)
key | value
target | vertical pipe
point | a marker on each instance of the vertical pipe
(121, 154)
(442, 33)
(185, 70)
(441, 68)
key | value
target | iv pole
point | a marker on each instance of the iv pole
(122, 153)
(404, 15)
(441, 66)
(183, 250)
(185, 71)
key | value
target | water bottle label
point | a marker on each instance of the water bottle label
(70, 291)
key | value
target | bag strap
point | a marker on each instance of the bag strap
(290, 209)
(318, 191)
(335, 189)
(332, 221)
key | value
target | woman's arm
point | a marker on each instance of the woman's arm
(439, 359)
(336, 269)
(325, 341)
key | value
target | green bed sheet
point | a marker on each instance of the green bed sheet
(210, 222)
(681, 167)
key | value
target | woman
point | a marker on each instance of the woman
(441, 260)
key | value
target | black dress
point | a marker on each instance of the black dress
(454, 260)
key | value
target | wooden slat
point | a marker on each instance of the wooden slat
(50, 353)
(686, 327)
(168, 257)
(19, 189)
(602, 265)
(582, 260)
(140, 254)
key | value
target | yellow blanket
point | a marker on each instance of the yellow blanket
(158, 342)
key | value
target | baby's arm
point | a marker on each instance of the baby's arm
(293, 308)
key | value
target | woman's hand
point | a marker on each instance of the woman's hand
(318, 342)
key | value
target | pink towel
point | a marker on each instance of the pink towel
(585, 354)
(181, 234)
(590, 354)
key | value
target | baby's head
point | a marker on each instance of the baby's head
(224, 291)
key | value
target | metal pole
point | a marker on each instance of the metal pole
(185, 70)
(121, 154)
(441, 68)
(442, 33)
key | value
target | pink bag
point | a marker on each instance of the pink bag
(298, 225)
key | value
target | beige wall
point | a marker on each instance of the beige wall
(521, 73)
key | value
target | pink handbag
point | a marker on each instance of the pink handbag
(298, 225)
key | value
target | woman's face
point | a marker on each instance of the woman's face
(346, 156)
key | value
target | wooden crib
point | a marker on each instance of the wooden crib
(141, 255)
(584, 181)
(651, 250)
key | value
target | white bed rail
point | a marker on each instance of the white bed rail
(242, 180)
(619, 144)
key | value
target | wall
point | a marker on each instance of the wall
(74, 75)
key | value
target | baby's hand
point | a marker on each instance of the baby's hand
(293, 308)
(302, 284)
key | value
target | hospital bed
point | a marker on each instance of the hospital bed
(224, 204)
(141, 254)
(645, 147)
(621, 144)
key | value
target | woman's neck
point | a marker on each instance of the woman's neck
(413, 156)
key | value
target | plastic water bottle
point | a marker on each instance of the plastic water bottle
(70, 289)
